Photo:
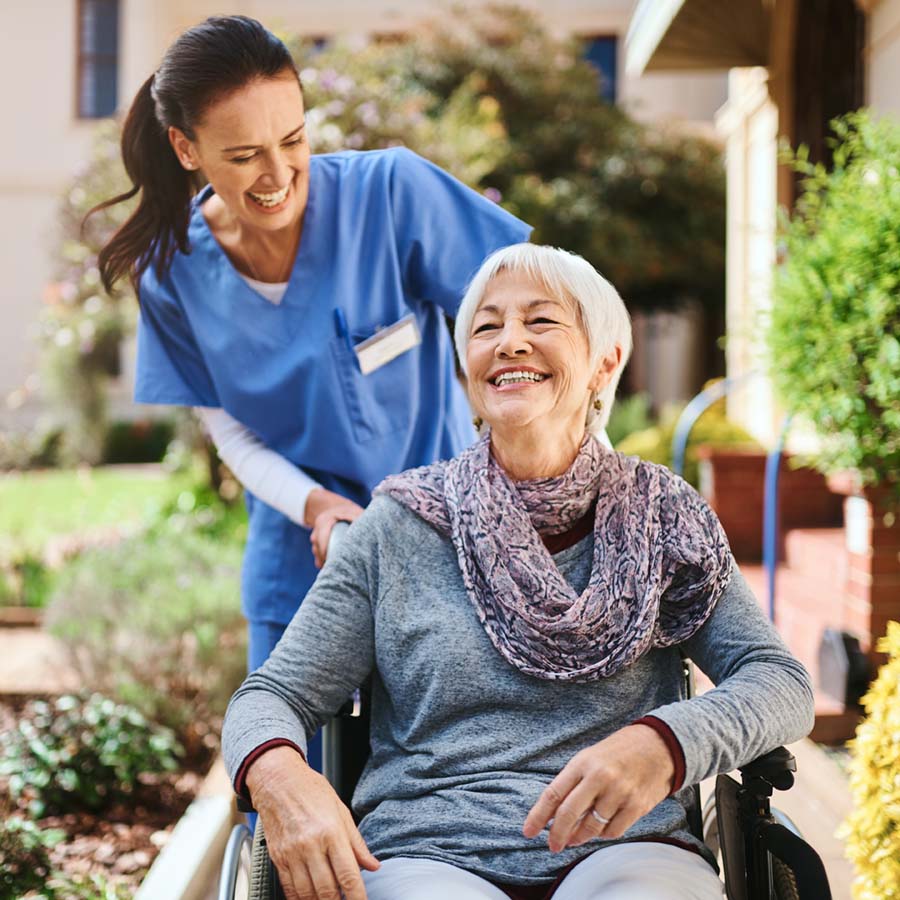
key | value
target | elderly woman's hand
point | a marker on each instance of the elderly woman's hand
(621, 779)
(311, 836)
(323, 510)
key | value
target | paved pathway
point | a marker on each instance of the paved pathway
(33, 662)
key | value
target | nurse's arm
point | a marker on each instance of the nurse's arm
(266, 474)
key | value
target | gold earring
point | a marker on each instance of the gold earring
(478, 422)
(598, 404)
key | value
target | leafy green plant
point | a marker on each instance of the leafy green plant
(713, 428)
(84, 887)
(155, 621)
(24, 858)
(834, 338)
(872, 831)
(81, 752)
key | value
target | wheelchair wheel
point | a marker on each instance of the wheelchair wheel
(234, 882)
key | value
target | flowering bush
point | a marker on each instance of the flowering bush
(82, 327)
(872, 831)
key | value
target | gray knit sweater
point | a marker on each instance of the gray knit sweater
(462, 742)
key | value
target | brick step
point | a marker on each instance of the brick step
(819, 554)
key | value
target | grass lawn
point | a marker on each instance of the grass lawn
(38, 506)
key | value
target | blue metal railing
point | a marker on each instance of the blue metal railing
(683, 427)
(771, 521)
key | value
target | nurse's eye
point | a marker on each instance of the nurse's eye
(294, 143)
(240, 160)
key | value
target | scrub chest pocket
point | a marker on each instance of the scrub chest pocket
(378, 403)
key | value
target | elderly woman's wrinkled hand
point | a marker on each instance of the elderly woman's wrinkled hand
(311, 836)
(604, 789)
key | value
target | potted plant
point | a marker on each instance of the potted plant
(834, 343)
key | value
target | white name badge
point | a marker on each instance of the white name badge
(387, 344)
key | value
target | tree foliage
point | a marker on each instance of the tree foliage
(517, 114)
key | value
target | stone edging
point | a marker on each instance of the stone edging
(187, 867)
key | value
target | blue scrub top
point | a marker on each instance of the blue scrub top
(386, 233)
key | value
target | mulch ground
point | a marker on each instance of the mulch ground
(122, 841)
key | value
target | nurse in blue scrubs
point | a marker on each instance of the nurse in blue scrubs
(297, 301)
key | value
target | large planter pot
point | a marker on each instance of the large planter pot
(733, 482)
(872, 535)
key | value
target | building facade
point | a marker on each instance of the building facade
(793, 66)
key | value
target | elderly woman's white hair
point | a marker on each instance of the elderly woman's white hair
(566, 275)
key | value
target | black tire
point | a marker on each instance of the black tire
(262, 876)
(784, 882)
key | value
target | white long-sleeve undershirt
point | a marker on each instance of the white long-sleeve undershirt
(266, 474)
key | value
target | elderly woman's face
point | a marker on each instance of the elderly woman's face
(528, 358)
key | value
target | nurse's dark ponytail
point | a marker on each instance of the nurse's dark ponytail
(205, 64)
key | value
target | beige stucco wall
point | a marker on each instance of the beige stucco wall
(883, 57)
(37, 72)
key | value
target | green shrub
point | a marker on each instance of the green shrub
(81, 753)
(834, 338)
(872, 831)
(155, 621)
(25, 580)
(655, 444)
(629, 415)
(24, 860)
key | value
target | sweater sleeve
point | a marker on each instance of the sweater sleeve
(326, 652)
(763, 696)
(265, 473)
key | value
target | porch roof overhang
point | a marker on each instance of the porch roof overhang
(697, 34)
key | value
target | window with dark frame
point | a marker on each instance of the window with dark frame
(602, 53)
(98, 58)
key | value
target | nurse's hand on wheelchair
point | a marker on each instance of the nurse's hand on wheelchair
(323, 510)
(604, 789)
(311, 836)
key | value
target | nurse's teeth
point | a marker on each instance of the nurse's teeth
(516, 377)
(271, 199)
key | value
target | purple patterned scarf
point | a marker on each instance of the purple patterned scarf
(660, 559)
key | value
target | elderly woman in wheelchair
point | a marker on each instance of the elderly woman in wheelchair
(521, 612)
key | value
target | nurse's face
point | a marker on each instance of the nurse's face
(252, 147)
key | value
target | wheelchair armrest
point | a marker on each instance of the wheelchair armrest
(776, 767)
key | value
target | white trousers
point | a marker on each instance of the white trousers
(639, 871)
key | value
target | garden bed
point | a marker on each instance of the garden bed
(119, 844)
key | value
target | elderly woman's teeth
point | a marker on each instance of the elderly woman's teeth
(270, 199)
(516, 377)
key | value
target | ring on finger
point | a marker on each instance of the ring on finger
(601, 819)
